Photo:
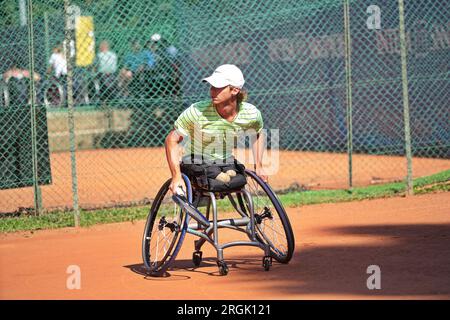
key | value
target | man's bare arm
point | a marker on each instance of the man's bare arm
(258, 147)
(173, 158)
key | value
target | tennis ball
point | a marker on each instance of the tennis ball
(223, 177)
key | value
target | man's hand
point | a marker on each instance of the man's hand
(175, 184)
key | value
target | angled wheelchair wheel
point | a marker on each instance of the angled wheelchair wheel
(164, 231)
(271, 221)
(54, 95)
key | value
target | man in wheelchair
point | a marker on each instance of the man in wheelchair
(208, 170)
(210, 128)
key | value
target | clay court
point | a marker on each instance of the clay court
(407, 237)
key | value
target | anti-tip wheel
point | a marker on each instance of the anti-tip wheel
(197, 258)
(267, 263)
(223, 268)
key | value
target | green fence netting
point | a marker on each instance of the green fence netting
(16, 167)
(138, 64)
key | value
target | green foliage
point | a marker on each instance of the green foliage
(9, 13)
(9, 10)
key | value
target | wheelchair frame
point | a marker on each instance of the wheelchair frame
(234, 224)
(207, 230)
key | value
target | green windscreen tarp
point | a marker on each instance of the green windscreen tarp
(16, 163)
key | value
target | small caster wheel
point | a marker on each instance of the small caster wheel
(267, 263)
(223, 268)
(197, 258)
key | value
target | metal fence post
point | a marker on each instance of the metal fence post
(32, 96)
(47, 37)
(406, 119)
(68, 39)
(348, 86)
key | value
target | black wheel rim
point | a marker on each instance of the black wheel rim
(164, 232)
(272, 224)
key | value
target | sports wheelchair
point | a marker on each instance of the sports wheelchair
(261, 217)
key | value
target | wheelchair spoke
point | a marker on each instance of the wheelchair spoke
(166, 237)
(163, 232)
(272, 224)
(157, 250)
(276, 235)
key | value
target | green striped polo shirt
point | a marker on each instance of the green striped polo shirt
(210, 135)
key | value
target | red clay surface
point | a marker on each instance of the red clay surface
(113, 176)
(408, 238)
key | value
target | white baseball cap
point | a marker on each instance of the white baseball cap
(156, 37)
(226, 75)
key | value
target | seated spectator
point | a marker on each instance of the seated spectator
(134, 63)
(149, 56)
(18, 73)
(172, 51)
(57, 63)
(162, 49)
(18, 85)
(106, 66)
(106, 59)
(58, 70)
(166, 78)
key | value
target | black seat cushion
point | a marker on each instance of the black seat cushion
(203, 174)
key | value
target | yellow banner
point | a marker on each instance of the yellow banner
(85, 41)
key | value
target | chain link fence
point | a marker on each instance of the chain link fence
(134, 66)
